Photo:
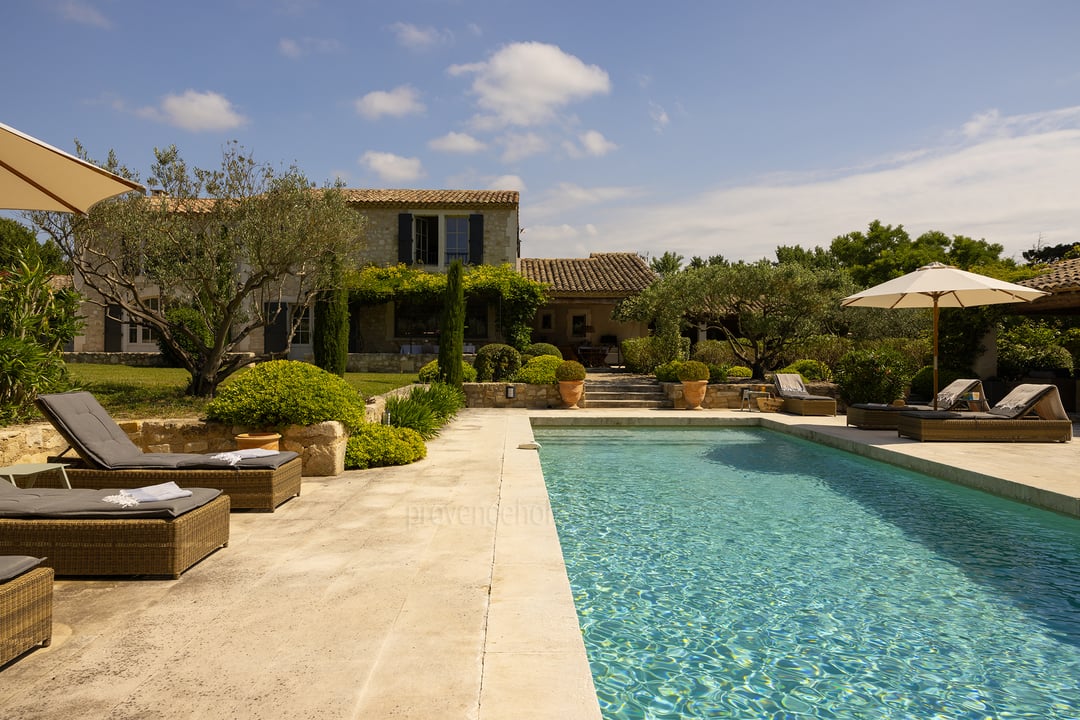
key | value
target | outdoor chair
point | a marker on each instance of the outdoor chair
(798, 400)
(108, 458)
(964, 394)
(1030, 413)
(79, 532)
(26, 593)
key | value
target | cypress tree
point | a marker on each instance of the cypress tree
(330, 333)
(452, 329)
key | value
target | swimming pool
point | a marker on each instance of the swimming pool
(743, 573)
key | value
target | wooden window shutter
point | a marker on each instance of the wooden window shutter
(476, 239)
(405, 251)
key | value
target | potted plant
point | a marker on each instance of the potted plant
(694, 376)
(570, 374)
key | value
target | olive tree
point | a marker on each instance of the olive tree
(239, 244)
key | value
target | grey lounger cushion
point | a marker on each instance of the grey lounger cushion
(86, 504)
(92, 432)
(12, 566)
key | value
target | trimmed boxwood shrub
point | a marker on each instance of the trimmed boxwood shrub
(717, 373)
(872, 376)
(539, 371)
(692, 370)
(538, 349)
(430, 372)
(374, 445)
(287, 392)
(668, 372)
(740, 371)
(496, 362)
(570, 370)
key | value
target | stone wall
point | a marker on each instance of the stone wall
(721, 396)
(493, 395)
(321, 447)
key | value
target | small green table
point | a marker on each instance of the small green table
(30, 470)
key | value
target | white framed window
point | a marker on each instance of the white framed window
(140, 336)
(435, 240)
(302, 334)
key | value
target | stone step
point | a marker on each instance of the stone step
(611, 403)
(625, 392)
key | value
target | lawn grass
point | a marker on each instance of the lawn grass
(141, 392)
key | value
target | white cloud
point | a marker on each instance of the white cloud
(660, 117)
(401, 101)
(455, 142)
(527, 83)
(196, 111)
(518, 146)
(596, 144)
(415, 37)
(507, 182)
(1005, 190)
(84, 14)
(294, 49)
(392, 168)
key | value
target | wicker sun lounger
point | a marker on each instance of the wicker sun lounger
(954, 396)
(108, 458)
(26, 592)
(79, 534)
(1030, 413)
(799, 401)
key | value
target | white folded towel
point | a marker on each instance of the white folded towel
(234, 456)
(157, 493)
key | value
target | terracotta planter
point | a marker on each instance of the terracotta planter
(262, 440)
(571, 391)
(694, 393)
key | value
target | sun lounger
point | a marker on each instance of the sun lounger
(108, 458)
(798, 400)
(1030, 413)
(79, 532)
(26, 592)
(954, 396)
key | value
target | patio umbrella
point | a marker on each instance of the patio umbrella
(936, 286)
(37, 176)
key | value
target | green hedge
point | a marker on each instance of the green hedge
(375, 445)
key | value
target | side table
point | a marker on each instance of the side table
(749, 398)
(30, 470)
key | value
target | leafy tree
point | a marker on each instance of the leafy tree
(452, 328)
(698, 262)
(763, 310)
(19, 244)
(1051, 253)
(234, 242)
(669, 262)
(330, 334)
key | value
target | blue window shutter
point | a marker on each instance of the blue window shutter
(404, 239)
(476, 239)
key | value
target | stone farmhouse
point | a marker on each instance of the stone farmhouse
(431, 229)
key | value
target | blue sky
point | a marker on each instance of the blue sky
(698, 127)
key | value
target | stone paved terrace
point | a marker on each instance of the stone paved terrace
(435, 590)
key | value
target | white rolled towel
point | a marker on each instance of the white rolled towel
(157, 493)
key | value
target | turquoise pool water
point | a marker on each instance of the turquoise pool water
(740, 573)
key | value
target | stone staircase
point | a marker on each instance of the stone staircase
(620, 390)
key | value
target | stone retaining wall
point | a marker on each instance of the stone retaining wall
(493, 395)
(729, 395)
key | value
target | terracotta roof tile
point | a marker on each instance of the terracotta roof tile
(598, 274)
(428, 198)
(1062, 275)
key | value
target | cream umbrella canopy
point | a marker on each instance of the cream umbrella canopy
(37, 176)
(936, 286)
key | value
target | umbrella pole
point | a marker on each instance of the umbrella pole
(935, 351)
